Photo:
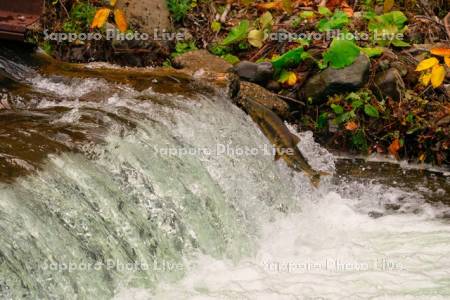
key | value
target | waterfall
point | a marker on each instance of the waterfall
(134, 193)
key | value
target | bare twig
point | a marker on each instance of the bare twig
(291, 99)
(223, 17)
(64, 8)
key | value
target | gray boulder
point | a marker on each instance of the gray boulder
(389, 83)
(258, 73)
(335, 81)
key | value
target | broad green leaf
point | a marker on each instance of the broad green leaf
(400, 43)
(387, 26)
(237, 33)
(371, 111)
(322, 121)
(338, 109)
(341, 53)
(357, 104)
(256, 38)
(306, 14)
(372, 52)
(290, 59)
(337, 21)
(231, 59)
(325, 11)
(342, 118)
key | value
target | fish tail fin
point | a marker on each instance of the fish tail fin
(315, 178)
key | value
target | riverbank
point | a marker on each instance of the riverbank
(360, 105)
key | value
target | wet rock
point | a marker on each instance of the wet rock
(333, 81)
(209, 70)
(147, 15)
(389, 83)
(202, 59)
(253, 72)
(254, 92)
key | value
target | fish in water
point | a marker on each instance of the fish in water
(282, 139)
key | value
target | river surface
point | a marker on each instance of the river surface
(152, 187)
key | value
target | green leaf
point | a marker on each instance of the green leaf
(359, 140)
(323, 120)
(341, 53)
(357, 104)
(387, 26)
(337, 109)
(237, 33)
(372, 52)
(306, 14)
(371, 111)
(324, 11)
(342, 118)
(290, 59)
(216, 26)
(400, 43)
(337, 21)
(231, 59)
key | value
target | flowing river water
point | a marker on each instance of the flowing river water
(156, 188)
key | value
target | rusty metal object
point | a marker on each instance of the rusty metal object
(17, 15)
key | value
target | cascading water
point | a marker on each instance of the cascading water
(129, 193)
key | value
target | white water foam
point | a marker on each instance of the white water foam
(329, 248)
(330, 251)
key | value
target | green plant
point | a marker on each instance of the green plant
(388, 28)
(81, 16)
(183, 47)
(232, 59)
(341, 53)
(237, 34)
(47, 47)
(337, 21)
(179, 8)
(350, 107)
(289, 59)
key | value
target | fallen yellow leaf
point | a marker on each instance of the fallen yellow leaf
(425, 79)
(255, 38)
(437, 75)
(440, 51)
(100, 18)
(112, 2)
(447, 61)
(120, 19)
(427, 64)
